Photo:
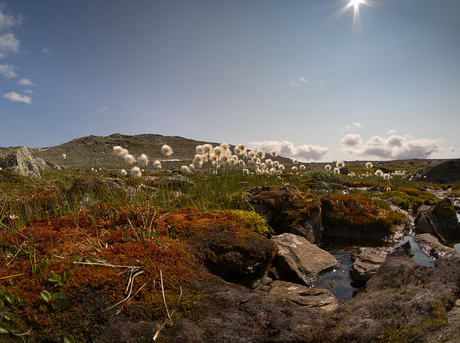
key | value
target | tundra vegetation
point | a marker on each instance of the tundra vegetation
(67, 246)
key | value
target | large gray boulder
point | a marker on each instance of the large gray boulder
(440, 220)
(431, 246)
(21, 162)
(301, 260)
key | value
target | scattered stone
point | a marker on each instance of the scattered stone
(431, 246)
(367, 261)
(440, 220)
(301, 260)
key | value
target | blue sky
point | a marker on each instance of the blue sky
(315, 80)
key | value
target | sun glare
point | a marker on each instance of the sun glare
(356, 2)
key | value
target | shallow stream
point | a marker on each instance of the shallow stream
(339, 281)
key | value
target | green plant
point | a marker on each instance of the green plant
(254, 222)
(57, 300)
(325, 175)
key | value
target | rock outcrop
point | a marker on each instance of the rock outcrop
(21, 162)
(402, 300)
(300, 260)
(445, 172)
(288, 211)
(440, 220)
(431, 246)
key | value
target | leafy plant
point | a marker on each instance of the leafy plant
(57, 300)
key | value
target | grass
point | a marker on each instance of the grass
(57, 241)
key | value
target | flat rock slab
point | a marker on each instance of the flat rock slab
(301, 259)
(320, 299)
(431, 246)
(367, 261)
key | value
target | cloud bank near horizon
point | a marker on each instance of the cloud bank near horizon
(393, 147)
(287, 149)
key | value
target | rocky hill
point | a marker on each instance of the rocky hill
(97, 152)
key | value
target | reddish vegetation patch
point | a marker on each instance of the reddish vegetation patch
(355, 213)
(176, 242)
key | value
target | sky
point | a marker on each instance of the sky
(316, 80)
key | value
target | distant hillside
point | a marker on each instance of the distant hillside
(97, 151)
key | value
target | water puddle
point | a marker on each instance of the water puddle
(339, 281)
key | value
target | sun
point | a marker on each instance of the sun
(356, 3)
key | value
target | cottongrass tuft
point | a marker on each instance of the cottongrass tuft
(368, 165)
(260, 154)
(295, 161)
(166, 150)
(251, 154)
(117, 150)
(327, 167)
(224, 146)
(340, 164)
(157, 164)
(218, 151)
(273, 153)
(136, 172)
(64, 156)
(124, 152)
(199, 149)
(143, 160)
(237, 151)
(388, 189)
(123, 172)
(379, 173)
(129, 158)
(336, 170)
(185, 170)
(242, 146)
(207, 148)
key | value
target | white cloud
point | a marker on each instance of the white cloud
(296, 83)
(391, 132)
(357, 124)
(351, 140)
(347, 127)
(46, 51)
(395, 147)
(7, 20)
(102, 109)
(28, 91)
(287, 149)
(8, 43)
(8, 70)
(451, 150)
(18, 97)
(25, 82)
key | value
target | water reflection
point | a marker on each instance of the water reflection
(339, 281)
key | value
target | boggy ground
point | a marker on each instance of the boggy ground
(93, 267)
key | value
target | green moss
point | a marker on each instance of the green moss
(410, 199)
(446, 211)
(254, 222)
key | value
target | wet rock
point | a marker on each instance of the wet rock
(367, 261)
(89, 186)
(431, 246)
(297, 258)
(321, 299)
(446, 172)
(21, 162)
(440, 220)
(288, 211)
